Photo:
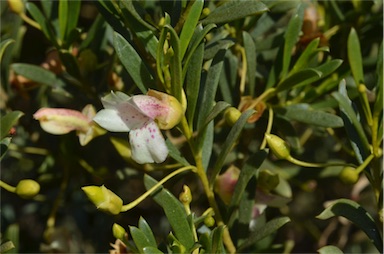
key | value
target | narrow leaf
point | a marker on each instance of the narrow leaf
(63, 18)
(140, 239)
(175, 153)
(41, 20)
(352, 125)
(217, 109)
(354, 57)
(37, 74)
(3, 45)
(303, 113)
(133, 63)
(189, 25)
(250, 52)
(233, 10)
(309, 51)
(151, 250)
(329, 67)
(269, 228)
(229, 143)
(147, 231)
(358, 215)
(291, 37)
(300, 78)
(174, 211)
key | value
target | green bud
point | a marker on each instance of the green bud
(27, 188)
(104, 199)
(278, 146)
(209, 221)
(231, 115)
(349, 175)
(118, 231)
(185, 197)
(267, 180)
(17, 6)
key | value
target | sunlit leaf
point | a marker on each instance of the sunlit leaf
(233, 10)
(358, 215)
(140, 238)
(250, 52)
(147, 231)
(300, 78)
(354, 57)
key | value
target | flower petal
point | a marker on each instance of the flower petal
(61, 121)
(111, 100)
(147, 144)
(110, 120)
(150, 106)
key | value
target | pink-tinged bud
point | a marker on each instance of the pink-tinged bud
(60, 121)
(27, 188)
(225, 184)
(278, 146)
(104, 199)
(173, 107)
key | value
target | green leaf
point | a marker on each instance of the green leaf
(133, 63)
(38, 16)
(207, 145)
(352, 124)
(304, 58)
(303, 113)
(151, 250)
(3, 45)
(13, 234)
(174, 211)
(63, 18)
(233, 10)
(140, 239)
(71, 64)
(291, 37)
(229, 143)
(175, 153)
(250, 52)
(190, 25)
(8, 121)
(192, 82)
(329, 67)
(329, 249)
(358, 215)
(146, 229)
(37, 74)
(4, 144)
(297, 79)
(213, 48)
(217, 109)
(269, 228)
(247, 172)
(217, 240)
(354, 57)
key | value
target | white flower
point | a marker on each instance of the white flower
(140, 115)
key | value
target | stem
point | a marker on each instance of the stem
(262, 97)
(30, 21)
(154, 188)
(7, 187)
(212, 202)
(269, 128)
(243, 70)
(314, 165)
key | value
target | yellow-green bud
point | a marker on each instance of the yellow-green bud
(104, 199)
(209, 221)
(206, 11)
(17, 6)
(267, 180)
(278, 146)
(349, 175)
(231, 115)
(118, 231)
(185, 197)
(27, 188)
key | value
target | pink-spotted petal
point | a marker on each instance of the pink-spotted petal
(148, 144)
(150, 106)
(131, 116)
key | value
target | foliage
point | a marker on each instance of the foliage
(276, 145)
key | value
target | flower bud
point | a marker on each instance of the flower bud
(349, 175)
(209, 221)
(226, 182)
(118, 231)
(267, 180)
(231, 115)
(104, 199)
(17, 6)
(175, 110)
(185, 197)
(27, 188)
(278, 146)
